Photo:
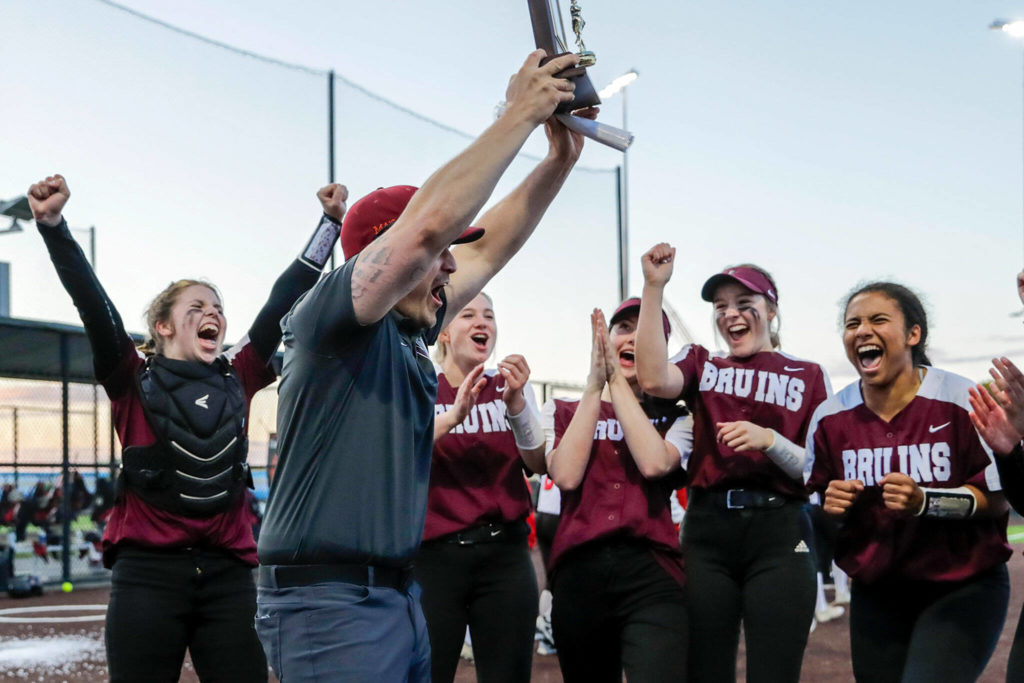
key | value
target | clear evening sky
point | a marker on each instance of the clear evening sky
(828, 142)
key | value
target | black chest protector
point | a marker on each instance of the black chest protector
(197, 466)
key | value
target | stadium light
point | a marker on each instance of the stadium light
(16, 208)
(1014, 28)
(619, 85)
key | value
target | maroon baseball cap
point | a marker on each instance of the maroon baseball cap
(631, 306)
(751, 278)
(372, 215)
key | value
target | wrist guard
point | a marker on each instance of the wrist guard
(318, 250)
(958, 503)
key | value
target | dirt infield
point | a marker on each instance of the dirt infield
(64, 649)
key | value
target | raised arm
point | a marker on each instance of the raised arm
(301, 274)
(107, 336)
(656, 375)
(654, 456)
(510, 222)
(393, 264)
(996, 427)
(568, 462)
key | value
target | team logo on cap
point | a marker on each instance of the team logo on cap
(381, 227)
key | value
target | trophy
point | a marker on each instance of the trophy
(549, 34)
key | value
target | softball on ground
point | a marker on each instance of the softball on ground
(67, 587)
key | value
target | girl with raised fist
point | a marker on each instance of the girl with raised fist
(746, 537)
(179, 538)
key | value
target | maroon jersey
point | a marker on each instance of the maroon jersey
(614, 499)
(933, 441)
(476, 473)
(770, 389)
(135, 522)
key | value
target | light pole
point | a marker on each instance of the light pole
(19, 209)
(1015, 29)
(617, 85)
(16, 208)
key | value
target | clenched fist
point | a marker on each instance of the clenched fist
(333, 197)
(657, 264)
(47, 199)
(841, 495)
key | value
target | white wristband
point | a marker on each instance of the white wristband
(527, 429)
(958, 503)
(789, 457)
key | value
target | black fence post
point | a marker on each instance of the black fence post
(65, 499)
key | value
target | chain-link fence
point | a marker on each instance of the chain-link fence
(33, 480)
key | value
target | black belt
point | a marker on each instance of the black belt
(487, 533)
(739, 499)
(291, 575)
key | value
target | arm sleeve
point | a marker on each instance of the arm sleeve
(680, 435)
(265, 332)
(547, 419)
(1011, 473)
(789, 457)
(107, 336)
(817, 473)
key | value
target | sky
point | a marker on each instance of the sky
(830, 143)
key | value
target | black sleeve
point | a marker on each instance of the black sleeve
(1011, 474)
(265, 332)
(296, 280)
(102, 322)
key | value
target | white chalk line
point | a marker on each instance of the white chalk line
(11, 615)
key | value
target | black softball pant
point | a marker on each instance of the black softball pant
(492, 588)
(754, 566)
(926, 630)
(1015, 667)
(616, 609)
(164, 602)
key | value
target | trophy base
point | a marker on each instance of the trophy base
(587, 58)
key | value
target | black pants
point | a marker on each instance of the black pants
(615, 608)
(491, 587)
(927, 631)
(826, 532)
(1015, 667)
(753, 565)
(162, 602)
(546, 525)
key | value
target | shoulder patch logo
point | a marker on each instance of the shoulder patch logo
(201, 402)
(801, 547)
(789, 369)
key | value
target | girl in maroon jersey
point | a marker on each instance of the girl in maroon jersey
(180, 546)
(923, 534)
(474, 565)
(615, 567)
(746, 536)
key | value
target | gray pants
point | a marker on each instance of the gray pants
(336, 631)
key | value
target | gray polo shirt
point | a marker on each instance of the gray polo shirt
(355, 431)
